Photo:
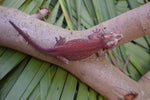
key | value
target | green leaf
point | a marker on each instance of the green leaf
(138, 57)
(8, 83)
(2, 50)
(34, 82)
(24, 80)
(13, 3)
(65, 12)
(92, 95)
(56, 88)
(52, 18)
(69, 90)
(9, 56)
(82, 92)
(46, 82)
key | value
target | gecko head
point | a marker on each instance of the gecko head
(112, 39)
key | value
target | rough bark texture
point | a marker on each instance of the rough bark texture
(97, 73)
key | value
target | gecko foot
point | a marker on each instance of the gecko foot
(96, 30)
(60, 41)
(66, 61)
(102, 52)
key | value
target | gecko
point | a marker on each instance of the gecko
(76, 49)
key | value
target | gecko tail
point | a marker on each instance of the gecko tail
(27, 38)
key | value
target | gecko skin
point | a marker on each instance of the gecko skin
(77, 49)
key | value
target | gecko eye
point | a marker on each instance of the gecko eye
(119, 37)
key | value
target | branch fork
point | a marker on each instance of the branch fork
(99, 74)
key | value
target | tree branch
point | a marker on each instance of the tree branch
(97, 73)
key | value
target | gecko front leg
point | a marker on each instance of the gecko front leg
(101, 52)
(96, 35)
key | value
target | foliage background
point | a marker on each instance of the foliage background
(25, 77)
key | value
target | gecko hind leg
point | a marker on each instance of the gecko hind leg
(60, 41)
(63, 59)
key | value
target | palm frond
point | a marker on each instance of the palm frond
(24, 77)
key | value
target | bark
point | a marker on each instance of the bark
(98, 73)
